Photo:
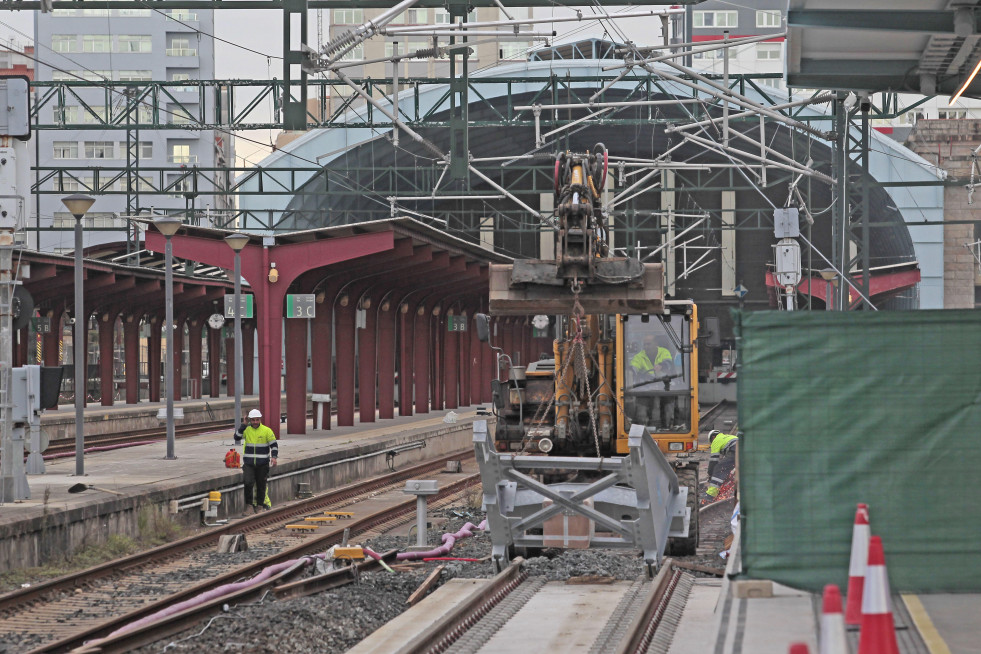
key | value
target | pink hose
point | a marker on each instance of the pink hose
(449, 540)
(213, 594)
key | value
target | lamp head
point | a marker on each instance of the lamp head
(237, 241)
(78, 204)
(828, 274)
(167, 225)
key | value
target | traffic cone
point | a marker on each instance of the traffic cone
(798, 648)
(878, 635)
(856, 565)
(833, 640)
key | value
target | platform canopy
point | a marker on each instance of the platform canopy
(907, 46)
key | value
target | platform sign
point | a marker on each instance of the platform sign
(41, 325)
(247, 306)
(301, 305)
(741, 291)
(456, 323)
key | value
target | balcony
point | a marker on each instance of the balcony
(182, 159)
(182, 52)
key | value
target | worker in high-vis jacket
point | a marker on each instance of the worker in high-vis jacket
(722, 460)
(259, 453)
(650, 362)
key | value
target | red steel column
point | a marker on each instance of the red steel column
(344, 333)
(366, 364)
(107, 326)
(321, 349)
(475, 365)
(154, 365)
(248, 357)
(387, 311)
(420, 358)
(296, 376)
(178, 344)
(230, 366)
(131, 350)
(195, 357)
(406, 318)
(451, 366)
(489, 362)
(214, 360)
(438, 326)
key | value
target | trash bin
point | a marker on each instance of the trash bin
(321, 410)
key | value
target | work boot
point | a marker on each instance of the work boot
(255, 509)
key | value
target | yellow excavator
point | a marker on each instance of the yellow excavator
(603, 431)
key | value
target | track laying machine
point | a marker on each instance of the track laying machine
(591, 448)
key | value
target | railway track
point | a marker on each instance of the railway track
(64, 613)
(64, 446)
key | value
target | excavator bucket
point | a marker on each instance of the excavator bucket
(617, 286)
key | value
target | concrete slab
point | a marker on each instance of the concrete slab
(397, 632)
(692, 634)
(955, 619)
(574, 615)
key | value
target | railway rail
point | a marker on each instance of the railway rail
(62, 614)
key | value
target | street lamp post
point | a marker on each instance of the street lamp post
(168, 226)
(238, 242)
(78, 205)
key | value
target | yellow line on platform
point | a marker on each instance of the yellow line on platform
(921, 618)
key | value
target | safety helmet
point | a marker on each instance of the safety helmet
(255, 413)
(712, 435)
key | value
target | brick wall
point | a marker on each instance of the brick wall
(950, 144)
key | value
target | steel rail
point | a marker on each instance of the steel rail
(127, 641)
(644, 625)
(447, 629)
(20, 597)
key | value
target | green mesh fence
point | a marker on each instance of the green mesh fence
(838, 408)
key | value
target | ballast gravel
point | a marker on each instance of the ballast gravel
(334, 621)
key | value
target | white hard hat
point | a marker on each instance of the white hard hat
(255, 413)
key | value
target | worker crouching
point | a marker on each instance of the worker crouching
(722, 460)
(258, 454)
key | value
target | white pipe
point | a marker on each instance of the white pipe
(701, 47)
(743, 153)
(594, 105)
(826, 97)
(506, 192)
(576, 122)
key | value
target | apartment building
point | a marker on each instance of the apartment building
(124, 45)
(760, 17)
(17, 60)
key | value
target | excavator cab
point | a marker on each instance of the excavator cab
(657, 360)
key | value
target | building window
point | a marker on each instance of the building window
(69, 115)
(135, 76)
(715, 19)
(417, 16)
(180, 47)
(62, 12)
(96, 43)
(181, 115)
(102, 220)
(768, 51)
(133, 13)
(180, 77)
(442, 17)
(183, 15)
(63, 220)
(181, 154)
(94, 115)
(952, 114)
(100, 150)
(515, 50)
(135, 43)
(95, 12)
(95, 75)
(713, 55)
(65, 149)
(144, 149)
(348, 16)
(62, 76)
(357, 54)
(768, 18)
(179, 184)
(144, 114)
(64, 43)
(66, 184)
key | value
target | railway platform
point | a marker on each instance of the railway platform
(131, 484)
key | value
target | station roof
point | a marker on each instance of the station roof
(906, 46)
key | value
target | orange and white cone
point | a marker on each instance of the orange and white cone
(856, 565)
(798, 648)
(878, 635)
(833, 640)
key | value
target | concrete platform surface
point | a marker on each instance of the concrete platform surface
(56, 521)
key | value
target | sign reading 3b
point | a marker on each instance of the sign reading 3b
(301, 305)
(246, 306)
